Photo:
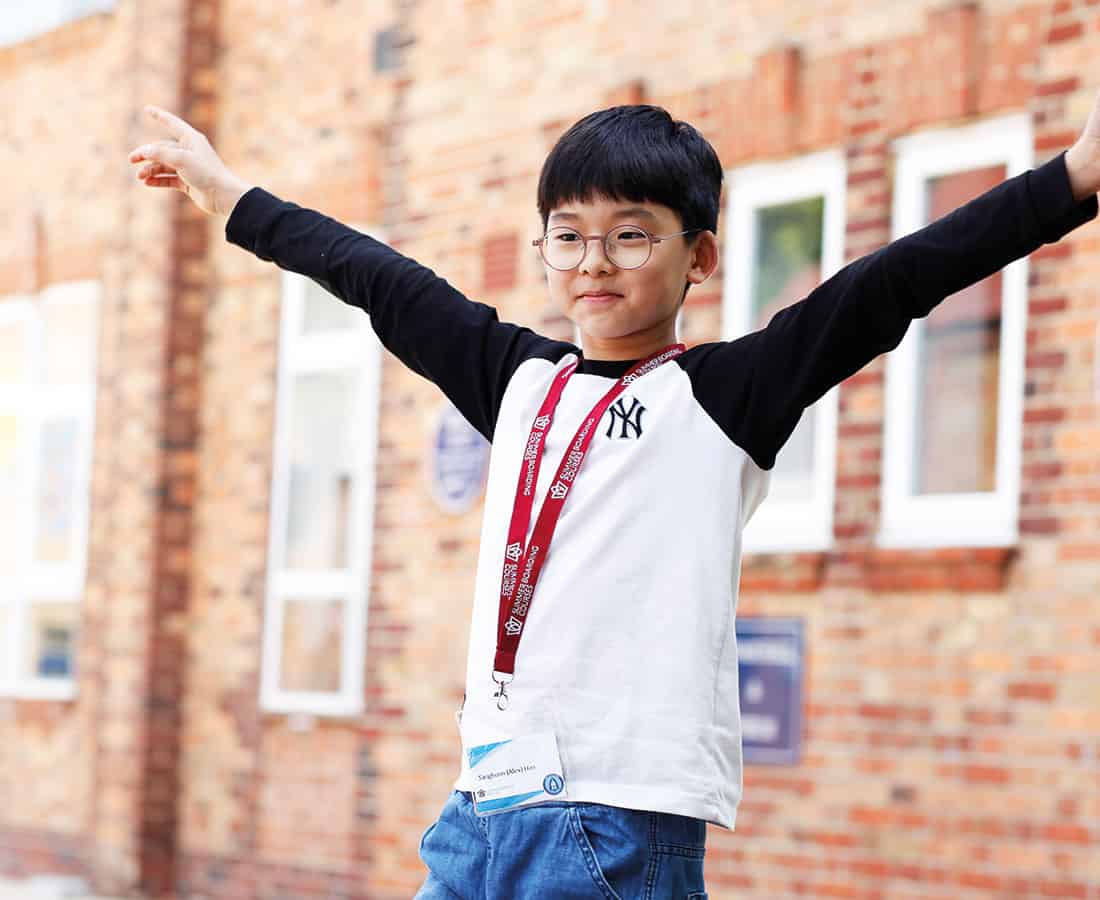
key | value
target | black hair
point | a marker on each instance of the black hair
(637, 153)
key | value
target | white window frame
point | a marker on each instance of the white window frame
(356, 349)
(979, 519)
(786, 525)
(39, 16)
(34, 402)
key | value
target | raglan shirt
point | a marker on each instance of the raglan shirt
(629, 654)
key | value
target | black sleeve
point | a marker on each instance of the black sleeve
(431, 327)
(757, 386)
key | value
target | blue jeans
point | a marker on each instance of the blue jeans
(562, 851)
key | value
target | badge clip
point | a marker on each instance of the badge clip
(501, 695)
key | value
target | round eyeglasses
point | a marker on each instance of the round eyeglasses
(625, 246)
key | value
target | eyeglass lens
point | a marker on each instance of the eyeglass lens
(627, 247)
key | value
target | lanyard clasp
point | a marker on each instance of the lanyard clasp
(501, 695)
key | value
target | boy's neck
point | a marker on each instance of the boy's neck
(629, 347)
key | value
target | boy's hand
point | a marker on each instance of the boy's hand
(1083, 158)
(187, 162)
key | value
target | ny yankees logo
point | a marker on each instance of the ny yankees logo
(630, 417)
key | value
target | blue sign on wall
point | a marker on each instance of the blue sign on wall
(459, 461)
(769, 653)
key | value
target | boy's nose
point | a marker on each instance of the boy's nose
(595, 258)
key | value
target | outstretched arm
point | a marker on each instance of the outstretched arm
(437, 332)
(760, 384)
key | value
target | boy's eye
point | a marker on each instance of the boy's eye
(564, 237)
(629, 234)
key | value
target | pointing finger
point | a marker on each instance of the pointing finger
(174, 125)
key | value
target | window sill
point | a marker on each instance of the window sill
(289, 706)
(39, 692)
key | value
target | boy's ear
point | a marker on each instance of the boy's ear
(704, 259)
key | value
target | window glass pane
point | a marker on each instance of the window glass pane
(322, 462)
(958, 377)
(51, 640)
(68, 341)
(786, 267)
(13, 353)
(10, 532)
(326, 312)
(793, 475)
(55, 503)
(312, 641)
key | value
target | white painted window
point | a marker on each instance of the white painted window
(47, 420)
(954, 387)
(785, 235)
(322, 504)
(25, 19)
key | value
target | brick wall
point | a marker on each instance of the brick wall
(75, 776)
(952, 721)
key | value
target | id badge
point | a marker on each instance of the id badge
(516, 773)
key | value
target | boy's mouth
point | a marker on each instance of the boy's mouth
(599, 297)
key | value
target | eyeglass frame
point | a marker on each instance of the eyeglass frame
(653, 239)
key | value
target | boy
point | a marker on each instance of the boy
(601, 719)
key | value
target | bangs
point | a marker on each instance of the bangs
(635, 154)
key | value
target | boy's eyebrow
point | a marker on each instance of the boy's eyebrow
(625, 211)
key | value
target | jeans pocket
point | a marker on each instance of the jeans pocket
(586, 844)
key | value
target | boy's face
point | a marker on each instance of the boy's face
(611, 304)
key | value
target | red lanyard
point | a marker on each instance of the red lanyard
(523, 567)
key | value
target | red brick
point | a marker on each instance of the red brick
(1031, 690)
(1065, 32)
